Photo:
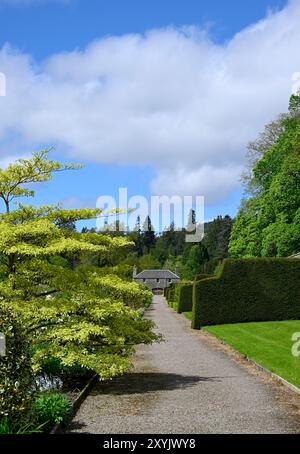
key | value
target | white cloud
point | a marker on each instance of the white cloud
(212, 181)
(171, 98)
(5, 161)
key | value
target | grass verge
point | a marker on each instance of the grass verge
(188, 315)
(268, 343)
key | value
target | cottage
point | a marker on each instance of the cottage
(156, 280)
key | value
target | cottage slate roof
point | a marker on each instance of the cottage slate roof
(156, 274)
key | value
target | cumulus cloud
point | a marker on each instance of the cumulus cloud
(213, 181)
(171, 98)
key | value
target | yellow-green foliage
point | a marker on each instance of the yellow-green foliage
(83, 317)
(15, 178)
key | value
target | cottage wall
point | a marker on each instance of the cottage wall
(157, 283)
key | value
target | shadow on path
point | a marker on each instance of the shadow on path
(145, 382)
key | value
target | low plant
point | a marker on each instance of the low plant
(27, 428)
(52, 408)
(4, 426)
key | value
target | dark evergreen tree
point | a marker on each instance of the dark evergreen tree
(148, 236)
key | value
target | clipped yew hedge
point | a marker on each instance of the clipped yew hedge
(249, 290)
(185, 294)
(185, 298)
(166, 293)
(173, 292)
(200, 277)
(170, 293)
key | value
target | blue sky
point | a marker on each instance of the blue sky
(148, 117)
(45, 27)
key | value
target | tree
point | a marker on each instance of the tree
(195, 262)
(268, 221)
(191, 221)
(14, 179)
(258, 148)
(147, 261)
(246, 234)
(83, 316)
(170, 243)
(216, 238)
(148, 236)
(136, 237)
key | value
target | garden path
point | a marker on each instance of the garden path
(185, 385)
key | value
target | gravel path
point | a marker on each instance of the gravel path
(184, 385)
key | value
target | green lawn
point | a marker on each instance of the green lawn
(188, 315)
(267, 343)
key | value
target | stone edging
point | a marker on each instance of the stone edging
(60, 427)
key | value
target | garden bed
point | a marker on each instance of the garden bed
(76, 396)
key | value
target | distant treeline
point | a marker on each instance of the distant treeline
(170, 250)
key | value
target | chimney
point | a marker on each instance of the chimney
(177, 271)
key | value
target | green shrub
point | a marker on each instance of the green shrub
(177, 287)
(53, 366)
(170, 293)
(185, 298)
(184, 292)
(175, 306)
(248, 290)
(4, 426)
(52, 408)
(16, 378)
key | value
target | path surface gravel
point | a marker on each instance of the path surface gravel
(184, 385)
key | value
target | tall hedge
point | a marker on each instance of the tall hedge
(185, 298)
(167, 293)
(170, 294)
(185, 294)
(200, 277)
(249, 290)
